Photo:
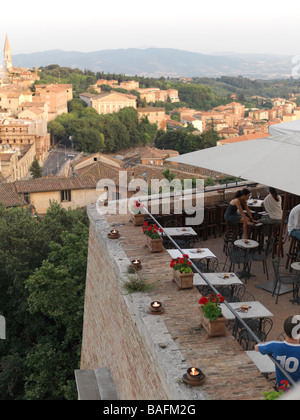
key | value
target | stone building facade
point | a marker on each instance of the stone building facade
(108, 103)
(21, 133)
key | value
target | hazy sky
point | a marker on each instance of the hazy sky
(211, 26)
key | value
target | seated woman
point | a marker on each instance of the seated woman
(273, 207)
(236, 205)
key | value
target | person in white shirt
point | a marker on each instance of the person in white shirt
(273, 206)
(294, 222)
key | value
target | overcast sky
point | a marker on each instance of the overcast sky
(210, 26)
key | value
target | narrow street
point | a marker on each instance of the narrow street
(57, 158)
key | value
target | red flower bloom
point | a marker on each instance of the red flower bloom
(203, 301)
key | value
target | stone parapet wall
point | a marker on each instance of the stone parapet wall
(118, 331)
(148, 355)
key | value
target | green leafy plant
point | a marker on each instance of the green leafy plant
(183, 265)
(211, 306)
(275, 395)
(137, 284)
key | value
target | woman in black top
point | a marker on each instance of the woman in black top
(237, 204)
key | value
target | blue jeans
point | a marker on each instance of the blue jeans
(296, 233)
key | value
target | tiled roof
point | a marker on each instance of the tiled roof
(55, 184)
(245, 137)
(149, 172)
(99, 170)
(9, 196)
(150, 109)
(113, 92)
(153, 152)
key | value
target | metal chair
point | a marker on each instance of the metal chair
(185, 241)
(261, 328)
(237, 256)
(282, 278)
(247, 342)
(229, 238)
(256, 256)
(167, 243)
(193, 242)
(281, 337)
(172, 223)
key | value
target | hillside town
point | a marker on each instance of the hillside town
(25, 112)
(69, 257)
(27, 107)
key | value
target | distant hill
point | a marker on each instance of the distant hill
(158, 62)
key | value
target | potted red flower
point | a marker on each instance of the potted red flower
(137, 216)
(183, 273)
(154, 239)
(212, 318)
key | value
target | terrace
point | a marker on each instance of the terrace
(229, 371)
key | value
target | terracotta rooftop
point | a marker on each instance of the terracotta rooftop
(153, 152)
(245, 137)
(99, 170)
(55, 184)
(149, 172)
(9, 196)
(106, 94)
(150, 109)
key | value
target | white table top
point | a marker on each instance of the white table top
(192, 253)
(251, 203)
(257, 310)
(263, 362)
(179, 231)
(296, 266)
(249, 245)
(216, 279)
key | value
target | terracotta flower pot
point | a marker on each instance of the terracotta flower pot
(215, 328)
(184, 280)
(138, 219)
(155, 245)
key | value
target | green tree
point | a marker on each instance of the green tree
(56, 292)
(35, 169)
(57, 131)
(89, 140)
(39, 336)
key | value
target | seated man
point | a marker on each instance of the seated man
(286, 353)
(294, 222)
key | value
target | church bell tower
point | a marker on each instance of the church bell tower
(7, 56)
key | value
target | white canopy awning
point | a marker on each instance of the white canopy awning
(272, 161)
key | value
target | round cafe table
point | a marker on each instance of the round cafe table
(247, 245)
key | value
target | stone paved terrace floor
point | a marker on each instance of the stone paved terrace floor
(230, 373)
